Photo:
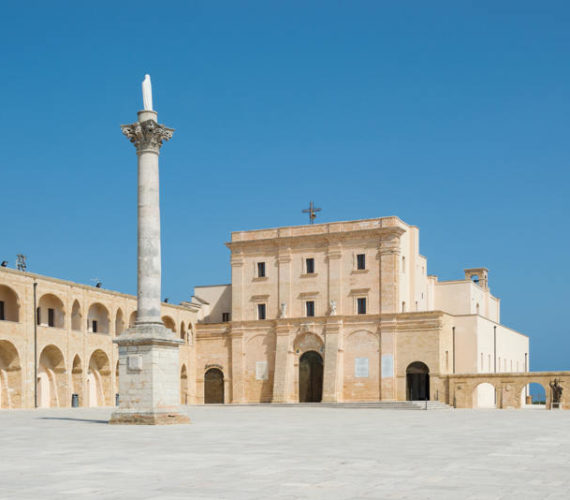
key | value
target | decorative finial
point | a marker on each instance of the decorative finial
(147, 93)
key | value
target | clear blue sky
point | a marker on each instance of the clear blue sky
(454, 117)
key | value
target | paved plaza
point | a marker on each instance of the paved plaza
(262, 452)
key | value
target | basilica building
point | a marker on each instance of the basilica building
(336, 312)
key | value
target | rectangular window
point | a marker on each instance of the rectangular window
(225, 317)
(51, 317)
(94, 326)
(361, 306)
(260, 311)
(310, 266)
(2, 311)
(361, 261)
(261, 269)
(38, 316)
(310, 306)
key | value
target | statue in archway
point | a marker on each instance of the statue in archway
(556, 391)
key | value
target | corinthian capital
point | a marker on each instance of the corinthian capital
(147, 135)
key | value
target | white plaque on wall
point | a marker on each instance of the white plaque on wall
(361, 367)
(387, 365)
(261, 370)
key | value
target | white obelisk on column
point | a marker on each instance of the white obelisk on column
(148, 352)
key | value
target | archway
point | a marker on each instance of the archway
(484, 396)
(169, 323)
(214, 386)
(10, 376)
(417, 381)
(311, 377)
(77, 378)
(132, 319)
(99, 379)
(98, 319)
(183, 386)
(52, 381)
(76, 318)
(9, 304)
(119, 322)
(533, 396)
(50, 311)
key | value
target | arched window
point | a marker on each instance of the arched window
(9, 304)
(98, 319)
(50, 311)
(76, 319)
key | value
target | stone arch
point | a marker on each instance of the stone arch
(484, 395)
(535, 395)
(259, 368)
(169, 323)
(99, 379)
(10, 376)
(9, 304)
(361, 366)
(119, 322)
(311, 377)
(98, 318)
(132, 319)
(182, 331)
(417, 381)
(308, 342)
(214, 386)
(50, 311)
(52, 380)
(183, 385)
(76, 316)
(77, 378)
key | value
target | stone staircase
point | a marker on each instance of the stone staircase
(381, 405)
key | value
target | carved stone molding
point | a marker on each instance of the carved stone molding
(147, 135)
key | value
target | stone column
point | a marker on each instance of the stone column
(149, 386)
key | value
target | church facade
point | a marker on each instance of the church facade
(337, 312)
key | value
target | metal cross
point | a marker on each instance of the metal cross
(312, 211)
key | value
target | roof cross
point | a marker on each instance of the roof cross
(312, 211)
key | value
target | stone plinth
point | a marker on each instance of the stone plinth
(148, 377)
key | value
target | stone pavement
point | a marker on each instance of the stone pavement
(288, 453)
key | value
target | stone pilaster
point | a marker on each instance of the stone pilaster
(334, 260)
(238, 292)
(388, 386)
(149, 387)
(283, 364)
(389, 253)
(332, 376)
(284, 280)
(238, 366)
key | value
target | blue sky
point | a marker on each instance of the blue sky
(452, 115)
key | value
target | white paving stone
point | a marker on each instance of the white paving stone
(288, 453)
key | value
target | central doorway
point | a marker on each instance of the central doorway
(311, 377)
(214, 386)
(417, 381)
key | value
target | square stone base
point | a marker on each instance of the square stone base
(137, 417)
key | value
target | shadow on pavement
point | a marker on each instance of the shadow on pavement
(90, 420)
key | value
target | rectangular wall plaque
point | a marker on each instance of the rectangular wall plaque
(361, 367)
(261, 372)
(134, 363)
(387, 365)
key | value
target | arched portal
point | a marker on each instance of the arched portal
(98, 319)
(484, 396)
(77, 378)
(76, 317)
(52, 380)
(50, 311)
(99, 379)
(311, 377)
(417, 382)
(169, 323)
(183, 386)
(9, 304)
(10, 376)
(533, 396)
(214, 386)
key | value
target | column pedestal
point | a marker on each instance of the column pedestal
(148, 377)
